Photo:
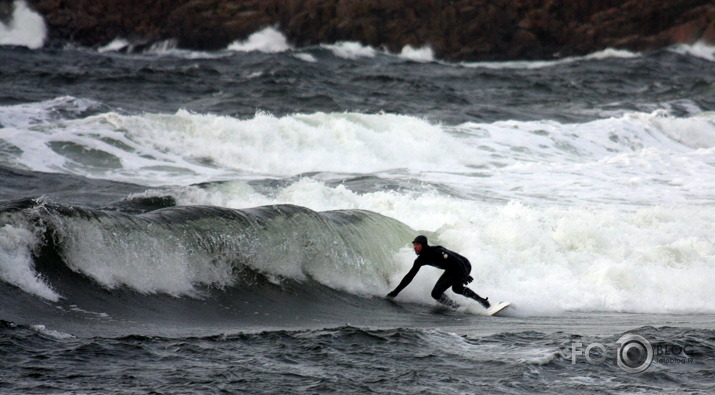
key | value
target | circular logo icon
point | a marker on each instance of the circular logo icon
(635, 354)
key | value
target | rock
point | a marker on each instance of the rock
(455, 29)
(709, 33)
(7, 8)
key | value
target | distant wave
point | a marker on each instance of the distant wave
(353, 50)
(700, 50)
(421, 54)
(188, 147)
(268, 40)
(27, 28)
(537, 64)
(123, 45)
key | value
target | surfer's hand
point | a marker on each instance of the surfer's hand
(392, 294)
(467, 280)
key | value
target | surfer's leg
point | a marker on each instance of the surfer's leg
(448, 302)
(473, 295)
(444, 282)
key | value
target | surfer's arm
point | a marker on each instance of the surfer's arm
(406, 280)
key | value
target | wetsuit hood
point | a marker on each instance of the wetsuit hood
(420, 239)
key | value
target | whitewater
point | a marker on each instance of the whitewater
(233, 219)
(585, 207)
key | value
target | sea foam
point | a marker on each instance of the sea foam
(654, 157)
(16, 263)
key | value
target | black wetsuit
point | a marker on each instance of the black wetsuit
(456, 274)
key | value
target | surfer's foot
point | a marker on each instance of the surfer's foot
(484, 302)
(473, 295)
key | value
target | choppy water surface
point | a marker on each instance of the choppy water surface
(176, 221)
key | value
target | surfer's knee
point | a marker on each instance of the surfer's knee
(458, 289)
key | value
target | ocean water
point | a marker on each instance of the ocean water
(177, 221)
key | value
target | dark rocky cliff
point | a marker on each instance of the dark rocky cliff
(456, 30)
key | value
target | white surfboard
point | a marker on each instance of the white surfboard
(496, 308)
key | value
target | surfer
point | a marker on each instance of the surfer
(456, 273)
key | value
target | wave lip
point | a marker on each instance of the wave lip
(26, 28)
(16, 262)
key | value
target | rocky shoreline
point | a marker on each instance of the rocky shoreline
(455, 30)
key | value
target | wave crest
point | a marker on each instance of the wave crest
(178, 250)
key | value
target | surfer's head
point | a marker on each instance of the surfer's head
(419, 243)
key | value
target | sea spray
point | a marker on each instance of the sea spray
(25, 28)
(19, 241)
(268, 40)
